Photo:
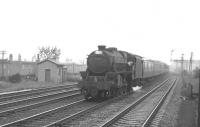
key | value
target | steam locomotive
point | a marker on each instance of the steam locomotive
(111, 72)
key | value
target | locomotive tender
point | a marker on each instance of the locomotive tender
(111, 72)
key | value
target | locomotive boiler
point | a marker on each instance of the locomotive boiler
(106, 60)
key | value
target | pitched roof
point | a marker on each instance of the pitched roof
(52, 61)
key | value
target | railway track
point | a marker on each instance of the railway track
(57, 116)
(28, 100)
(97, 117)
(141, 112)
(25, 93)
(35, 98)
(26, 112)
(14, 109)
(65, 120)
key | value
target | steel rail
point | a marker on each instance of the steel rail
(34, 91)
(129, 107)
(157, 107)
(83, 112)
(37, 104)
(3, 105)
(42, 113)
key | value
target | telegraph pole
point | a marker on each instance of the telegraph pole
(2, 54)
(190, 65)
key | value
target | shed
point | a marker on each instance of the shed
(50, 71)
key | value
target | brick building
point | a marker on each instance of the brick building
(13, 67)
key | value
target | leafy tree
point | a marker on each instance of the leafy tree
(49, 52)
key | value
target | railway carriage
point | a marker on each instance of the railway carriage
(153, 68)
(111, 72)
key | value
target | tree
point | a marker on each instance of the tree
(49, 52)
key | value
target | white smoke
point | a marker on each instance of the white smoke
(137, 88)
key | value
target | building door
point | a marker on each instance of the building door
(47, 75)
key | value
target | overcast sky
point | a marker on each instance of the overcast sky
(150, 28)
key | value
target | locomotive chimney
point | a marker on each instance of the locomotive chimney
(101, 47)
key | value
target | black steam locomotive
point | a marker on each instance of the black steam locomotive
(111, 72)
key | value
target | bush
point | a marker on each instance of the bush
(15, 78)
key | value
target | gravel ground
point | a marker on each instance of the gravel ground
(189, 79)
(137, 116)
(8, 87)
(99, 116)
(167, 114)
(180, 110)
(188, 111)
(52, 117)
